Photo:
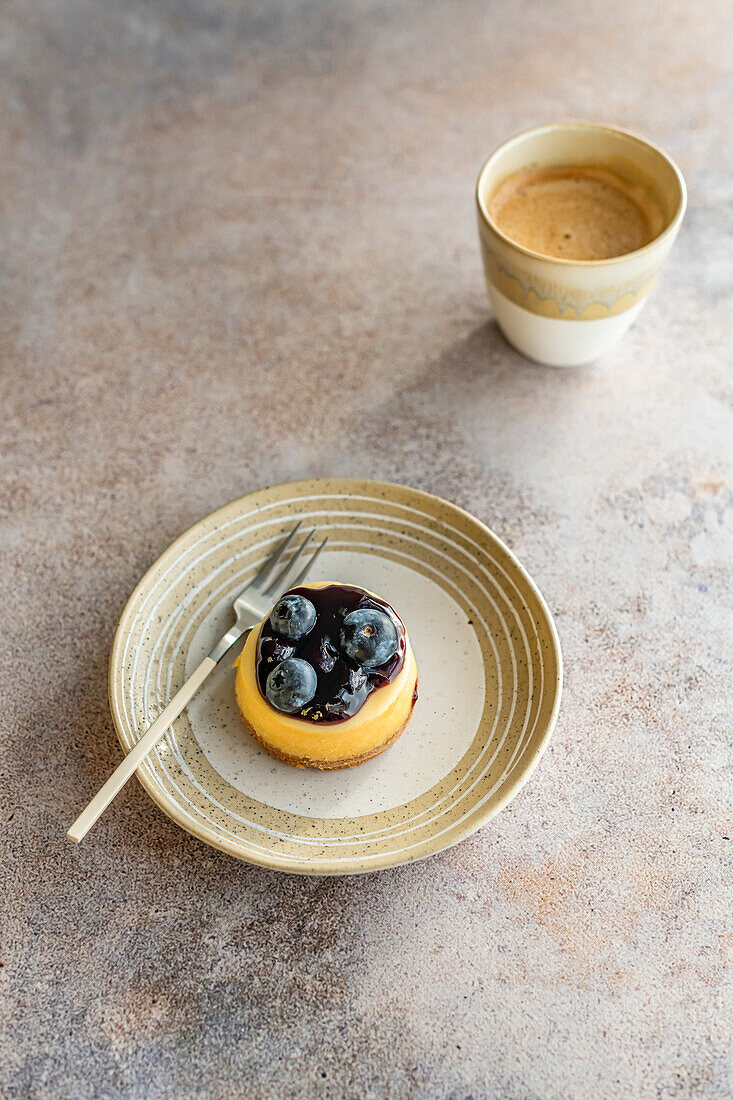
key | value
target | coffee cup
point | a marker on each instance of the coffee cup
(567, 312)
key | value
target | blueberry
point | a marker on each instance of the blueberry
(369, 637)
(291, 685)
(293, 617)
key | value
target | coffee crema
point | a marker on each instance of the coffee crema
(575, 212)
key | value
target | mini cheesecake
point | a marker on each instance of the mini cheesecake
(328, 679)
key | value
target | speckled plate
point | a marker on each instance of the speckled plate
(487, 652)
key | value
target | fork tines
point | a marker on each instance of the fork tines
(293, 573)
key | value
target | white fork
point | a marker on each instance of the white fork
(250, 606)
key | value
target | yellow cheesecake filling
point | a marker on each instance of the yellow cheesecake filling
(385, 712)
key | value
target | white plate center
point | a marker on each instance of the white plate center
(442, 728)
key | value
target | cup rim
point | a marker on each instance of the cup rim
(578, 125)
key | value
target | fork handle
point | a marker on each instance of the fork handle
(122, 773)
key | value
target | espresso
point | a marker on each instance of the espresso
(575, 212)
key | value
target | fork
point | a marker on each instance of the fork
(250, 606)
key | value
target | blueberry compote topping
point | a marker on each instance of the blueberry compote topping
(355, 644)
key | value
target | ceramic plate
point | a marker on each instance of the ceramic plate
(488, 658)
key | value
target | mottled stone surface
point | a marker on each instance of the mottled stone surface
(220, 214)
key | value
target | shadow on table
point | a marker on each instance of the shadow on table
(486, 354)
(481, 361)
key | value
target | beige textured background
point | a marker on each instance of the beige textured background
(238, 246)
